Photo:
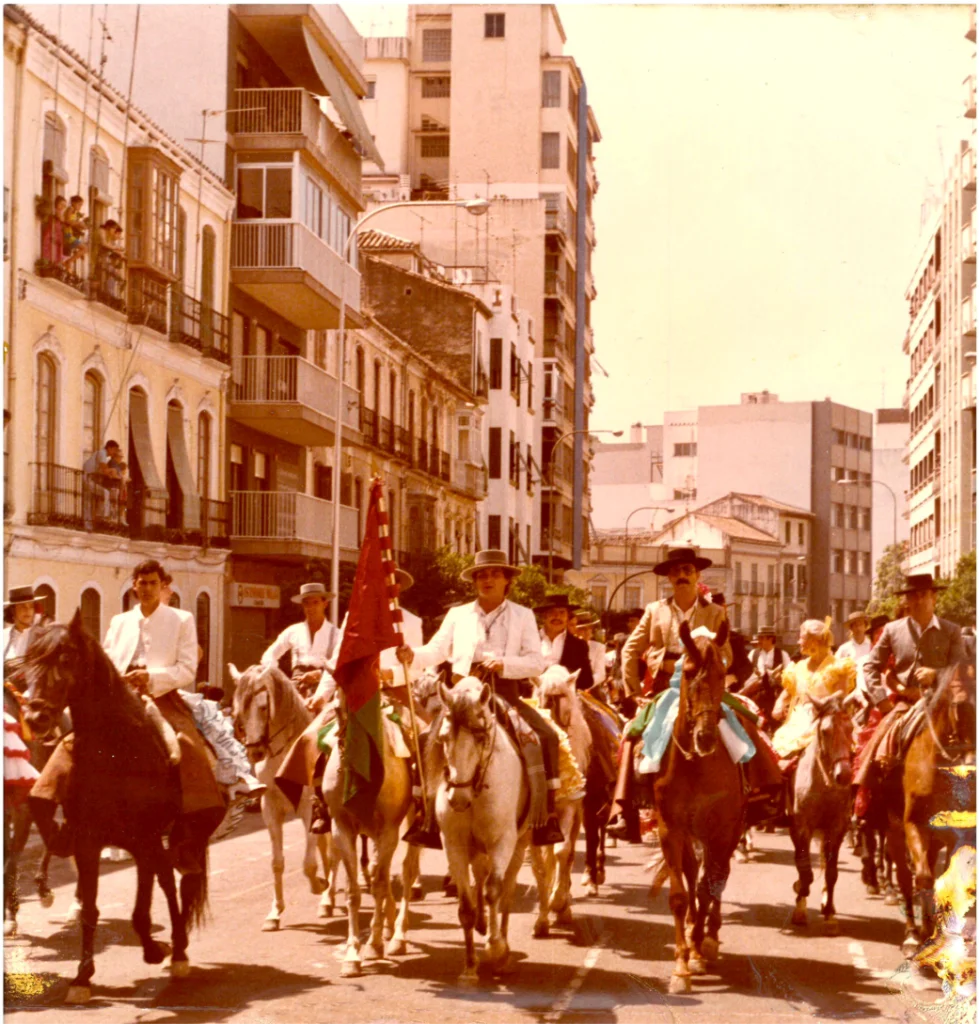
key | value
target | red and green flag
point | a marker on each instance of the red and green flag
(373, 625)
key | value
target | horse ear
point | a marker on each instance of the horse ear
(723, 632)
(444, 693)
(688, 643)
(484, 694)
(573, 679)
(233, 671)
(75, 627)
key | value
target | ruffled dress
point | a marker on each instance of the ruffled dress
(18, 772)
(833, 676)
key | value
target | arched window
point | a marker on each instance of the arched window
(91, 607)
(393, 397)
(204, 455)
(46, 596)
(203, 635)
(45, 427)
(54, 172)
(377, 386)
(91, 413)
(174, 601)
(98, 187)
(359, 371)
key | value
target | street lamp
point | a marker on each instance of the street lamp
(476, 207)
(848, 481)
(549, 473)
(625, 557)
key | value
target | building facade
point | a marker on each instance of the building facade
(941, 346)
(890, 474)
(111, 335)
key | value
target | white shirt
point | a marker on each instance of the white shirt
(764, 661)
(310, 651)
(169, 646)
(596, 655)
(552, 650)
(15, 642)
(851, 649)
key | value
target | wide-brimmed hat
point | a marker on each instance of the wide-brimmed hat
(586, 618)
(856, 617)
(718, 598)
(556, 601)
(879, 620)
(918, 583)
(490, 559)
(404, 578)
(767, 631)
(19, 595)
(678, 556)
(312, 590)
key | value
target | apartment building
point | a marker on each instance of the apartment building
(111, 335)
(814, 456)
(890, 473)
(941, 345)
(436, 106)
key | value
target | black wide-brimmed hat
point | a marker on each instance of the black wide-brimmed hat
(19, 595)
(556, 601)
(679, 556)
(492, 558)
(879, 620)
(920, 582)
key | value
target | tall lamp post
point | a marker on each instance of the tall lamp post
(476, 207)
(850, 481)
(625, 558)
(549, 473)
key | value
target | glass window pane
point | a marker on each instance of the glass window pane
(278, 193)
(250, 185)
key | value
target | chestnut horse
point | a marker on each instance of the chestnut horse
(700, 800)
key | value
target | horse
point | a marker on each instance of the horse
(124, 789)
(391, 809)
(700, 800)
(269, 715)
(481, 808)
(925, 794)
(821, 803)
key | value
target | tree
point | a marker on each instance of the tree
(889, 580)
(531, 588)
(958, 602)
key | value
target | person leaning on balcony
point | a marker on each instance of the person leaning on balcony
(110, 258)
(76, 232)
(99, 478)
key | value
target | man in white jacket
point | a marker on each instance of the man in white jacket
(495, 637)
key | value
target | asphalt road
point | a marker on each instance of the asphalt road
(612, 966)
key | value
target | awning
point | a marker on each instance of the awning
(347, 104)
(181, 466)
(139, 430)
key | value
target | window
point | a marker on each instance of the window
(151, 218)
(46, 597)
(91, 609)
(788, 533)
(236, 481)
(572, 100)
(208, 247)
(91, 414)
(851, 563)
(530, 385)
(495, 456)
(550, 150)
(837, 515)
(633, 596)
(551, 89)
(851, 517)
(436, 88)
(496, 363)
(371, 89)
(494, 26)
(530, 479)
(865, 519)
(203, 636)
(864, 563)
(514, 373)
(54, 173)
(572, 163)
(788, 575)
(436, 45)
(45, 425)
(802, 533)
(264, 193)
(514, 460)
(435, 145)
(493, 530)
(837, 560)
(204, 455)
(599, 596)
(685, 449)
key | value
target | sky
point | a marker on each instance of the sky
(762, 176)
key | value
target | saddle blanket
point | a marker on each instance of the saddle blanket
(394, 733)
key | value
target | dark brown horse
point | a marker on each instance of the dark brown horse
(924, 797)
(700, 800)
(123, 789)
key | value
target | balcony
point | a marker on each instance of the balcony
(741, 587)
(555, 286)
(970, 96)
(288, 119)
(61, 497)
(441, 465)
(283, 265)
(369, 425)
(556, 221)
(969, 316)
(288, 525)
(289, 398)
(421, 455)
(402, 443)
(468, 477)
(386, 435)
(969, 168)
(204, 330)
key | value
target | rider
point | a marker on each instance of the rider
(155, 651)
(859, 644)
(559, 646)
(492, 637)
(17, 636)
(584, 628)
(311, 643)
(768, 662)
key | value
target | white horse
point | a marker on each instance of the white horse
(552, 865)
(391, 811)
(269, 715)
(481, 808)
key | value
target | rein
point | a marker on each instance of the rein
(478, 781)
(689, 755)
(267, 738)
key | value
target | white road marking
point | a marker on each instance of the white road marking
(562, 1004)
(859, 960)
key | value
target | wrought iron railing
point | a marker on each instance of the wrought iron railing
(402, 443)
(386, 434)
(368, 424)
(147, 303)
(202, 328)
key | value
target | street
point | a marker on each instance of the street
(614, 965)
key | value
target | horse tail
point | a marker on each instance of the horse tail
(194, 894)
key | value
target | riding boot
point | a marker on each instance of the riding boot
(320, 822)
(59, 839)
(550, 832)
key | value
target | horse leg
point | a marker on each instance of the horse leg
(272, 814)
(831, 860)
(458, 858)
(324, 845)
(717, 870)
(868, 836)
(561, 905)
(672, 847)
(698, 886)
(542, 864)
(384, 847)
(398, 945)
(510, 881)
(365, 861)
(153, 951)
(345, 843)
(87, 861)
(898, 853)
(179, 965)
(922, 864)
(589, 878)
(44, 894)
(309, 857)
(801, 839)
(500, 859)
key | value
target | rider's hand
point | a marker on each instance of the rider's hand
(405, 655)
(315, 703)
(924, 676)
(493, 665)
(138, 679)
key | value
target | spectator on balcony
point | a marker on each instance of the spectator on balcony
(53, 231)
(120, 471)
(100, 476)
(111, 261)
(75, 233)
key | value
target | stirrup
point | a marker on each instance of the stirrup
(547, 834)
(421, 834)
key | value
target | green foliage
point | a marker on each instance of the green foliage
(889, 579)
(958, 603)
(531, 588)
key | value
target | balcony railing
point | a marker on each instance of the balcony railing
(554, 285)
(369, 424)
(289, 379)
(147, 300)
(205, 330)
(556, 220)
(969, 314)
(467, 476)
(61, 496)
(421, 454)
(402, 443)
(741, 587)
(386, 434)
(289, 515)
(297, 112)
(441, 465)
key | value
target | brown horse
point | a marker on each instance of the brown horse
(922, 798)
(700, 800)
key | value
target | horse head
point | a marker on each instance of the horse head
(426, 690)
(260, 693)
(833, 738)
(951, 707)
(557, 693)
(58, 663)
(702, 685)
(467, 734)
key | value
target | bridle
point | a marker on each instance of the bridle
(264, 742)
(825, 772)
(693, 719)
(477, 783)
(947, 754)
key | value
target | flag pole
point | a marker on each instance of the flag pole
(390, 567)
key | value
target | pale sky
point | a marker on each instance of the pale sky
(762, 172)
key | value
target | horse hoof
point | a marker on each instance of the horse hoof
(910, 944)
(541, 930)
(831, 927)
(417, 892)
(600, 877)
(873, 890)
(480, 925)
(326, 910)
(890, 900)
(270, 924)
(680, 984)
(78, 995)
(9, 927)
(800, 918)
(373, 952)
(397, 947)
(711, 950)
(741, 856)
(564, 918)
(697, 966)
(156, 953)
(469, 977)
(46, 899)
(74, 912)
(505, 966)
(316, 886)
(179, 968)
(351, 969)
(591, 889)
